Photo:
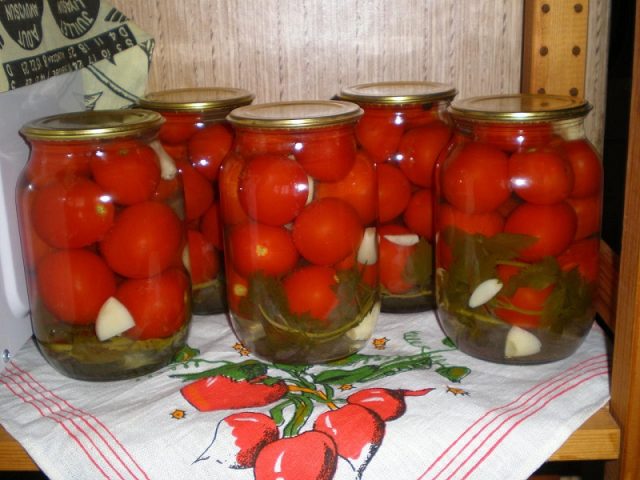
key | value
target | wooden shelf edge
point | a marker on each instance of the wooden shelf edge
(12, 456)
(597, 439)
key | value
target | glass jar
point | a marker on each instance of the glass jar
(100, 209)
(518, 228)
(298, 210)
(403, 130)
(198, 138)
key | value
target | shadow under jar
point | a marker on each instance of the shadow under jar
(198, 138)
(405, 127)
(102, 232)
(519, 201)
(298, 208)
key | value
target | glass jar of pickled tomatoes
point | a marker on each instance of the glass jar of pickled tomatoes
(198, 138)
(519, 200)
(101, 212)
(403, 130)
(298, 205)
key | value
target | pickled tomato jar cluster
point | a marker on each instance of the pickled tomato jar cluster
(101, 223)
(198, 138)
(298, 209)
(519, 200)
(404, 129)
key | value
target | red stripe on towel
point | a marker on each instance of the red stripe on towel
(84, 415)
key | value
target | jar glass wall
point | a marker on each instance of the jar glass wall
(519, 200)
(101, 212)
(298, 209)
(403, 131)
(198, 138)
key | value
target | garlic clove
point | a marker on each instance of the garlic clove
(113, 319)
(168, 169)
(406, 240)
(364, 329)
(521, 343)
(485, 292)
(368, 250)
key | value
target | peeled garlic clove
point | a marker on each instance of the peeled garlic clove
(368, 252)
(113, 319)
(406, 240)
(310, 189)
(186, 258)
(484, 292)
(364, 329)
(521, 343)
(168, 169)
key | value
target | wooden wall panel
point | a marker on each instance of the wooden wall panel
(296, 49)
(286, 49)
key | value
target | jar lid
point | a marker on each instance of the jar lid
(398, 93)
(296, 114)
(206, 99)
(523, 107)
(92, 124)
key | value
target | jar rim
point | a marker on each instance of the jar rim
(520, 108)
(295, 114)
(93, 124)
(196, 100)
(398, 93)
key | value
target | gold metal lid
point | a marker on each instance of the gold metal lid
(92, 124)
(185, 100)
(518, 108)
(296, 114)
(398, 93)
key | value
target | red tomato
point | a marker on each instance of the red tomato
(237, 288)
(542, 177)
(394, 192)
(273, 189)
(487, 224)
(255, 247)
(583, 255)
(231, 210)
(33, 247)
(178, 128)
(257, 142)
(130, 173)
(419, 150)
(204, 259)
(394, 259)
(168, 189)
(179, 152)
(158, 304)
(73, 285)
(146, 238)
(72, 213)
(311, 290)
(418, 215)
(357, 188)
(379, 132)
(56, 161)
(198, 191)
(588, 211)
(327, 155)
(208, 147)
(511, 138)
(586, 166)
(475, 178)
(553, 227)
(526, 303)
(419, 116)
(210, 226)
(326, 231)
